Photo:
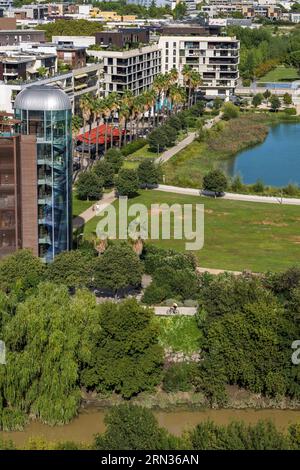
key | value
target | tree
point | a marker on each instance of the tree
(148, 173)
(257, 99)
(89, 186)
(158, 140)
(267, 94)
(71, 268)
(104, 170)
(275, 103)
(47, 340)
(131, 427)
(118, 268)
(218, 103)
(21, 270)
(115, 158)
(127, 358)
(171, 135)
(215, 181)
(179, 11)
(287, 99)
(127, 183)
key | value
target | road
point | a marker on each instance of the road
(231, 196)
(165, 156)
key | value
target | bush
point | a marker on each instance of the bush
(155, 258)
(291, 190)
(158, 140)
(290, 111)
(230, 111)
(171, 134)
(258, 187)
(133, 147)
(175, 122)
(179, 377)
(237, 185)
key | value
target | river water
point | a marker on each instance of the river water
(91, 421)
(276, 161)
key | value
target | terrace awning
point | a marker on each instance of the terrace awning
(91, 137)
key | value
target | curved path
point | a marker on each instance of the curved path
(231, 196)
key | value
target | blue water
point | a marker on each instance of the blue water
(276, 161)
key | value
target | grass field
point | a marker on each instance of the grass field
(133, 160)
(181, 334)
(79, 206)
(281, 74)
(238, 235)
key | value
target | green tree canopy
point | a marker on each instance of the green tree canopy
(127, 183)
(21, 270)
(127, 358)
(118, 268)
(215, 181)
(131, 427)
(89, 186)
(148, 173)
(105, 170)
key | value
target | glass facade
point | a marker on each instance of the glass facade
(54, 176)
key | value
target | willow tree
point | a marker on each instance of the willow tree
(47, 341)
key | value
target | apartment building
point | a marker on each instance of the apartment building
(13, 37)
(21, 67)
(75, 83)
(216, 58)
(122, 37)
(133, 69)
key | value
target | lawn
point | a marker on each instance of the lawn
(133, 160)
(237, 235)
(181, 334)
(281, 74)
(79, 206)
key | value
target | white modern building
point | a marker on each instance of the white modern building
(133, 69)
(216, 58)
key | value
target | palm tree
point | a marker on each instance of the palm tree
(114, 105)
(149, 105)
(97, 115)
(186, 73)
(76, 126)
(195, 82)
(139, 110)
(177, 97)
(106, 114)
(123, 116)
(86, 106)
(159, 85)
(128, 100)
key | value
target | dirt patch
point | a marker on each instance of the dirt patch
(271, 223)
(295, 239)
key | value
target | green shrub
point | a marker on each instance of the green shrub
(133, 147)
(179, 377)
(290, 111)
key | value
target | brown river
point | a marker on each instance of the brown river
(91, 421)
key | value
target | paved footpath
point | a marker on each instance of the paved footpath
(186, 311)
(88, 214)
(165, 156)
(231, 196)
